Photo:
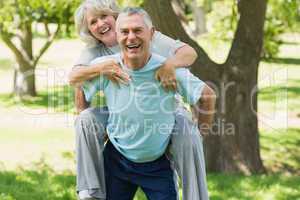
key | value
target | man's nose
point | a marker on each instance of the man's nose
(131, 35)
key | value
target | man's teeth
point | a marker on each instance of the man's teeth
(105, 30)
(133, 46)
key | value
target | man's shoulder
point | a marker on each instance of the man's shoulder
(184, 74)
(157, 59)
(105, 58)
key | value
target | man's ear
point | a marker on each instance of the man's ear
(152, 32)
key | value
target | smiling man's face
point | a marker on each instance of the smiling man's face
(134, 38)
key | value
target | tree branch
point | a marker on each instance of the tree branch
(47, 29)
(20, 57)
(46, 45)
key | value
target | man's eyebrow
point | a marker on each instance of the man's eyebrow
(125, 28)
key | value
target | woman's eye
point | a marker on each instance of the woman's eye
(103, 16)
(93, 22)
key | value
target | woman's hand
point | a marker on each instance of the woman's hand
(112, 70)
(109, 68)
(167, 76)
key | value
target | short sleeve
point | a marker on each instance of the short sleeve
(189, 86)
(91, 87)
(87, 55)
(164, 45)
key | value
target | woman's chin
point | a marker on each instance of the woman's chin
(110, 43)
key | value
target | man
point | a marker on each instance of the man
(141, 116)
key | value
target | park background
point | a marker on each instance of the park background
(37, 137)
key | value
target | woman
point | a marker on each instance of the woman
(95, 20)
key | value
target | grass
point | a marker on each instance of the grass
(41, 180)
(42, 183)
(280, 97)
(281, 152)
(58, 99)
(54, 99)
(257, 187)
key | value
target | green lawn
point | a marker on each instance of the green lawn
(280, 152)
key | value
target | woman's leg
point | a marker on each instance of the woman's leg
(90, 130)
(186, 153)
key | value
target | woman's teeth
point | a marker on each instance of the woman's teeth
(105, 30)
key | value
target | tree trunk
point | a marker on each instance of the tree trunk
(233, 145)
(24, 82)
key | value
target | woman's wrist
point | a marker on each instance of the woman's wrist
(171, 62)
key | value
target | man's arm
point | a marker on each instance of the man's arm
(184, 56)
(80, 102)
(204, 110)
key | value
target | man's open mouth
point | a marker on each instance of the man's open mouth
(133, 46)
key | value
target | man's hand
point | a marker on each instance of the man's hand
(167, 76)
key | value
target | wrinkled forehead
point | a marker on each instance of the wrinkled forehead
(131, 21)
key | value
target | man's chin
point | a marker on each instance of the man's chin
(132, 55)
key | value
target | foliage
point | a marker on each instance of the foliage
(29, 11)
(125, 3)
(223, 23)
(282, 16)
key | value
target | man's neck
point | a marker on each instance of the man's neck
(136, 64)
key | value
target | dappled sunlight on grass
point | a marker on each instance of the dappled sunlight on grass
(257, 187)
(40, 182)
(280, 150)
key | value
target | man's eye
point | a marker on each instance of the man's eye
(124, 32)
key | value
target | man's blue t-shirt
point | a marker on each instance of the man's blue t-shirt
(141, 114)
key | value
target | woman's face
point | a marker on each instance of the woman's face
(102, 27)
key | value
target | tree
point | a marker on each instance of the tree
(16, 22)
(233, 146)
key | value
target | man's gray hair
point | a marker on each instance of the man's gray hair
(135, 11)
(96, 6)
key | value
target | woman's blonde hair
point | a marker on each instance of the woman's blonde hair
(96, 6)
